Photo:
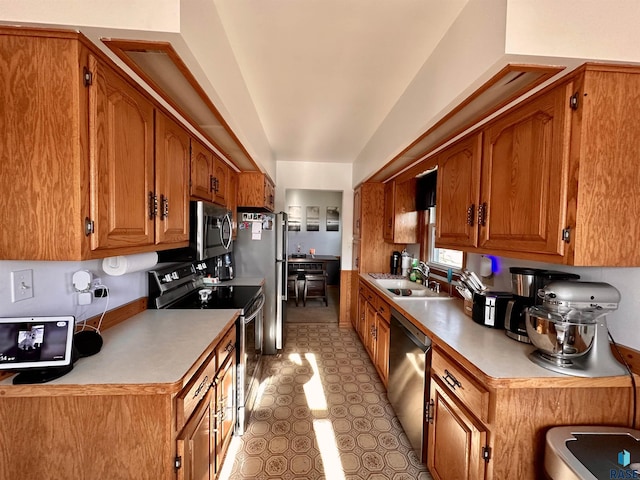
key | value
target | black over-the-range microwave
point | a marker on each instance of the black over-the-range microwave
(210, 232)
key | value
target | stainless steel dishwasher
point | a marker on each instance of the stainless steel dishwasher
(409, 365)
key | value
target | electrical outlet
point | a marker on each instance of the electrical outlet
(96, 282)
(21, 285)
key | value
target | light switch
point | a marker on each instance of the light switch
(21, 285)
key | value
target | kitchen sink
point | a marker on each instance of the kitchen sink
(406, 290)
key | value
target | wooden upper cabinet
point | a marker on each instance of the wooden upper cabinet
(172, 177)
(209, 175)
(43, 144)
(502, 189)
(255, 190)
(458, 193)
(202, 164)
(220, 176)
(603, 193)
(121, 140)
(357, 211)
(389, 214)
(232, 200)
(524, 164)
(400, 215)
(373, 253)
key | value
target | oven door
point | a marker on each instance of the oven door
(249, 361)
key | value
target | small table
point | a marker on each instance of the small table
(314, 262)
(312, 269)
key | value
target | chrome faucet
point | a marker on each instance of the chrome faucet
(435, 286)
(423, 269)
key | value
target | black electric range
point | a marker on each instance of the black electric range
(181, 285)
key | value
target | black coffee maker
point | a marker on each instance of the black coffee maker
(394, 265)
(525, 285)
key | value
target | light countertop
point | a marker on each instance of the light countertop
(151, 348)
(487, 349)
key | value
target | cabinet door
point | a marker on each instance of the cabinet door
(225, 415)
(382, 348)
(121, 161)
(232, 200)
(172, 178)
(355, 255)
(201, 171)
(389, 210)
(455, 440)
(220, 182)
(360, 318)
(270, 194)
(194, 444)
(369, 329)
(458, 193)
(357, 211)
(524, 165)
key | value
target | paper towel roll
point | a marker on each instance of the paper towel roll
(116, 266)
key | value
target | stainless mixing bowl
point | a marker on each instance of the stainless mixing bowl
(555, 335)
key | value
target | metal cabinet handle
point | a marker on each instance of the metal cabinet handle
(451, 380)
(201, 386)
(212, 182)
(482, 214)
(470, 214)
(153, 205)
(429, 411)
(230, 347)
(164, 207)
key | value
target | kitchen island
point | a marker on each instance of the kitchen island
(488, 406)
(128, 411)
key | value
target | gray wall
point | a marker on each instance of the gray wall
(325, 243)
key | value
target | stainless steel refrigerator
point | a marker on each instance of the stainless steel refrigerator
(267, 257)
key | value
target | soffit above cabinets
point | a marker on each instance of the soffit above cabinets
(158, 64)
(507, 85)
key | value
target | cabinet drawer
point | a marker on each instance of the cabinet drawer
(384, 309)
(461, 385)
(367, 293)
(195, 391)
(226, 346)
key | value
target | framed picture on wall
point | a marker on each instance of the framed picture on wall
(333, 219)
(313, 219)
(295, 218)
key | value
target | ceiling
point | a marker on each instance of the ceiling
(323, 74)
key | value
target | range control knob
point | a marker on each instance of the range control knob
(174, 275)
(167, 278)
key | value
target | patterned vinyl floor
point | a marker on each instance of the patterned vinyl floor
(322, 413)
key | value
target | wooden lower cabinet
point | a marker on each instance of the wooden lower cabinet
(225, 409)
(118, 432)
(490, 429)
(456, 440)
(372, 325)
(194, 446)
(382, 348)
